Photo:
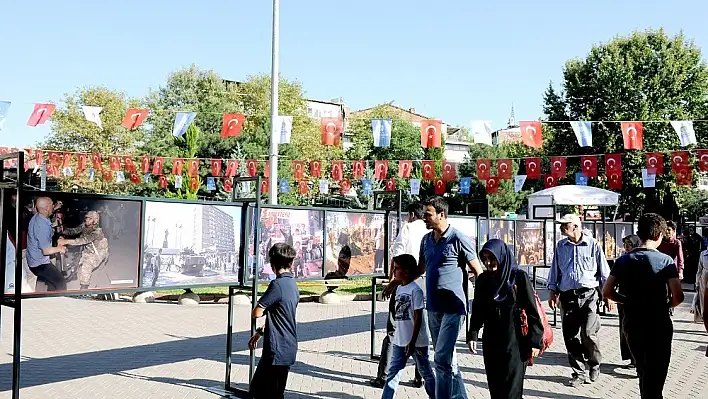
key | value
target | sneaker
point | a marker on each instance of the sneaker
(594, 374)
(577, 380)
(417, 383)
(377, 382)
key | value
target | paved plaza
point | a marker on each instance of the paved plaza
(74, 348)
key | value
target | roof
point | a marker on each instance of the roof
(451, 130)
(576, 195)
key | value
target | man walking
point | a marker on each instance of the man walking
(641, 281)
(579, 267)
(445, 253)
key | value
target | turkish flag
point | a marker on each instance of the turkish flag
(298, 170)
(266, 170)
(404, 169)
(134, 117)
(96, 161)
(331, 131)
(162, 182)
(381, 170)
(337, 170)
(65, 160)
(231, 168)
(302, 186)
(614, 180)
(114, 162)
(145, 164)
(129, 165)
(448, 171)
(533, 168)
(134, 178)
(632, 133)
(679, 160)
(107, 175)
(228, 184)
(53, 171)
(358, 169)
(264, 186)
(440, 187)
(492, 185)
(194, 183)
(504, 169)
(177, 166)
(39, 156)
(702, 156)
(158, 165)
(316, 168)
(193, 167)
(684, 176)
(428, 170)
(345, 186)
(40, 114)
(215, 167)
(550, 181)
(231, 125)
(390, 185)
(655, 163)
(613, 163)
(54, 158)
(558, 167)
(81, 162)
(430, 133)
(588, 165)
(252, 167)
(483, 169)
(531, 133)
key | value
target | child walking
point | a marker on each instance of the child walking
(410, 338)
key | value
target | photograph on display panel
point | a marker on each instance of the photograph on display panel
(76, 242)
(622, 230)
(302, 229)
(529, 243)
(609, 234)
(355, 244)
(190, 244)
(499, 229)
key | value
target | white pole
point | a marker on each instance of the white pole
(274, 134)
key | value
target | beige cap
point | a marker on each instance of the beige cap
(570, 218)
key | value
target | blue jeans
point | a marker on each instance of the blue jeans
(398, 362)
(444, 328)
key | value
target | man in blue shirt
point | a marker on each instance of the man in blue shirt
(579, 267)
(445, 253)
(40, 233)
(279, 303)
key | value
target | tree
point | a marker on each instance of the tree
(646, 76)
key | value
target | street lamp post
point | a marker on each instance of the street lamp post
(274, 135)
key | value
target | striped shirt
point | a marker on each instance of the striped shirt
(581, 265)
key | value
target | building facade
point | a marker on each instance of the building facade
(213, 230)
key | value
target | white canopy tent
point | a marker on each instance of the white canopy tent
(568, 195)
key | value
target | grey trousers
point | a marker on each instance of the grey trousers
(581, 325)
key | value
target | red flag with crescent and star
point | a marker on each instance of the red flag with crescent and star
(533, 168)
(215, 167)
(158, 165)
(702, 156)
(231, 168)
(381, 170)
(134, 117)
(53, 156)
(162, 182)
(588, 165)
(40, 114)
(558, 167)
(358, 169)
(316, 168)
(613, 163)
(440, 187)
(449, 171)
(228, 184)
(266, 169)
(134, 178)
(193, 167)
(483, 169)
(80, 162)
(193, 183)
(252, 167)
(264, 186)
(331, 131)
(177, 166)
(232, 124)
(337, 170)
(145, 164)
(404, 169)
(550, 181)
(107, 175)
(504, 169)
(298, 170)
(303, 187)
(492, 185)
(684, 176)
(614, 180)
(428, 170)
(390, 185)
(39, 156)
(655, 163)
(96, 161)
(632, 133)
(65, 160)
(114, 163)
(129, 164)
(531, 133)
(430, 133)
(679, 160)
(344, 186)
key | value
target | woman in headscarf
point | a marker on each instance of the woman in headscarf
(630, 242)
(698, 307)
(501, 293)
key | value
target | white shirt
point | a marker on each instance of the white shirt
(408, 299)
(409, 239)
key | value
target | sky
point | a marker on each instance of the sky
(453, 60)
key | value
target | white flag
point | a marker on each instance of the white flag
(685, 131)
(324, 186)
(482, 132)
(284, 127)
(67, 172)
(583, 132)
(120, 176)
(415, 186)
(519, 181)
(92, 115)
(648, 179)
(178, 181)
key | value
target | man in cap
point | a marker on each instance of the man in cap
(579, 267)
(94, 243)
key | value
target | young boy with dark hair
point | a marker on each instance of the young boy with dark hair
(646, 283)
(280, 344)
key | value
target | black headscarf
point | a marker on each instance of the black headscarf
(506, 271)
(634, 240)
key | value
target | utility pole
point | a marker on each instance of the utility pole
(274, 133)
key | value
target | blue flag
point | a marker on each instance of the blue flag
(211, 183)
(583, 132)
(284, 186)
(581, 179)
(4, 109)
(182, 122)
(465, 184)
(381, 128)
(366, 186)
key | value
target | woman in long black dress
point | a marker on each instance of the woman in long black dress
(500, 294)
